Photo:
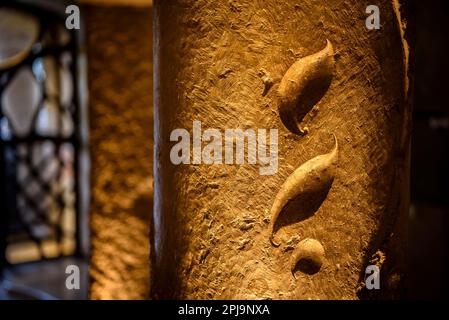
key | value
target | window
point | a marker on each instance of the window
(43, 135)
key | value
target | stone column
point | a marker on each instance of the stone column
(313, 71)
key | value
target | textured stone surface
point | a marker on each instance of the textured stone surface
(211, 222)
(119, 50)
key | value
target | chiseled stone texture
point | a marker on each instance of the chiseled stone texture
(211, 235)
(119, 48)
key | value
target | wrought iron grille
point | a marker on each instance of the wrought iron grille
(42, 144)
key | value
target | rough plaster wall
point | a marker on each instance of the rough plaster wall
(121, 129)
(211, 221)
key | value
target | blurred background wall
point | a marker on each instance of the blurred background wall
(116, 39)
(119, 48)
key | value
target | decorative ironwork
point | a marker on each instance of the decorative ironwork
(40, 145)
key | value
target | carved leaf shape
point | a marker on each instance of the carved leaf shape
(307, 187)
(308, 256)
(303, 86)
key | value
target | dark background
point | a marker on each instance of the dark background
(428, 224)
